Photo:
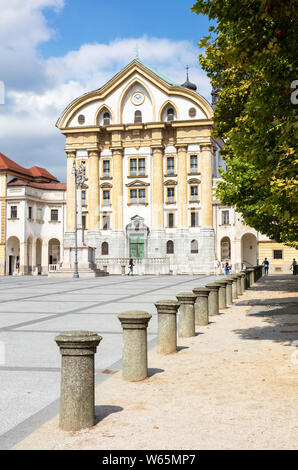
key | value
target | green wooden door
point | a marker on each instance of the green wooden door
(136, 247)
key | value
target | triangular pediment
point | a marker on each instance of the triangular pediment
(137, 183)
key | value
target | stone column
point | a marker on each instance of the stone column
(167, 326)
(238, 275)
(182, 205)
(70, 193)
(242, 280)
(23, 258)
(251, 276)
(234, 286)
(45, 257)
(201, 305)
(134, 358)
(117, 191)
(157, 189)
(186, 317)
(213, 304)
(222, 295)
(206, 185)
(229, 291)
(93, 190)
(77, 379)
(33, 247)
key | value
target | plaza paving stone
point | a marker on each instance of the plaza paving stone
(33, 310)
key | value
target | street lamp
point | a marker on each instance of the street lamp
(80, 177)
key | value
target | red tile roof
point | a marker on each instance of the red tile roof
(34, 172)
(53, 186)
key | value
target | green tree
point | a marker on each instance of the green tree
(251, 55)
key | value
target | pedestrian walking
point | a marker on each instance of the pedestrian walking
(216, 266)
(266, 266)
(130, 265)
(227, 269)
(294, 267)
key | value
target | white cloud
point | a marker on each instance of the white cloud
(37, 90)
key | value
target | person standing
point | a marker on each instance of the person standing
(294, 266)
(266, 266)
(227, 268)
(130, 265)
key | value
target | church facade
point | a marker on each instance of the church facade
(150, 161)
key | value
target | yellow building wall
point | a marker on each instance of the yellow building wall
(277, 265)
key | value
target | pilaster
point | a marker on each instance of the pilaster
(93, 190)
(206, 185)
(70, 194)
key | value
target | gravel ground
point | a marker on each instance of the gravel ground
(233, 386)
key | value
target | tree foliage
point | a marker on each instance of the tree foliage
(251, 55)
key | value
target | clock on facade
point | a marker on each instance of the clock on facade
(138, 98)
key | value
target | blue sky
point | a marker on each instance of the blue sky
(52, 51)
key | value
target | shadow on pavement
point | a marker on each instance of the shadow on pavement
(101, 412)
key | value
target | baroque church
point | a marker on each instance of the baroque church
(150, 161)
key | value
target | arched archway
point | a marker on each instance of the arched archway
(54, 251)
(249, 247)
(225, 249)
(13, 255)
(38, 249)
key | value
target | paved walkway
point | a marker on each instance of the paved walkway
(33, 310)
(233, 386)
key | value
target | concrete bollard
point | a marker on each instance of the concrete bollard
(234, 287)
(77, 379)
(134, 358)
(186, 317)
(201, 305)
(213, 304)
(251, 276)
(222, 295)
(167, 326)
(229, 290)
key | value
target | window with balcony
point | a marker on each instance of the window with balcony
(170, 220)
(106, 197)
(83, 198)
(137, 196)
(106, 222)
(194, 219)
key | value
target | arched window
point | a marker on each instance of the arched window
(138, 117)
(170, 247)
(104, 248)
(106, 119)
(170, 114)
(194, 247)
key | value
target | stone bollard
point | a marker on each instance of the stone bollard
(186, 317)
(201, 305)
(229, 290)
(167, 326)
(251, 276)
(77, 379)
(238, 275)
(213, 305)
(242, 281)
(222, 295)
(247, 279)
(234, 286)
(122, 269)
(134, 357)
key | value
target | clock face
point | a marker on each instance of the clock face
(138, 98)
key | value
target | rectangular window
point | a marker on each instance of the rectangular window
(13, 212)
(106, 197)
(106, 168)
(83, 198)
(225, 217)
(133, 167)
(170, 220)
(39, 213)
(30, 212)
(142, 195)
(83, 222)
(193, 193)
(194, 219)
(106, 222)
(142, 166)
(277, 254)
(171, 194)
(170, 166)
(193, 163)
(54, 215)
(133, 196)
